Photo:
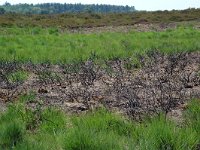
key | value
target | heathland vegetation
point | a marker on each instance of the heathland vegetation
(94, 81)
(89, 19)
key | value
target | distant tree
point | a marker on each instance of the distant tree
(7, 4)
(88, 10)
(56, 8)
(2, 11)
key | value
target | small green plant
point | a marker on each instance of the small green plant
(36, 31)
(19, 76)
(48, 76)
(53, 121)
(28, 97)
(54, 31)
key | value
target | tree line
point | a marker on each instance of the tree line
(57, 8)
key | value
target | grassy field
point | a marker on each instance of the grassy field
(50, 44)
(22, 128)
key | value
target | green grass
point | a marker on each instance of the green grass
(193, 115)
(18, 76)
(41, 45)
(98, 130)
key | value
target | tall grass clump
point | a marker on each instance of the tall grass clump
(12, 128)
(162, 134)
(99, 130)
(192, 115)
(11, 133)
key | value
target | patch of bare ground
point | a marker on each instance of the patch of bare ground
(139, 27)
(2, 107)
(163, 83)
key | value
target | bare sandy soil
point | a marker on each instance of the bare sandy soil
(163, 83)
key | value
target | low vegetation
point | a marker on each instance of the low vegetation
(89, 19)
(18, 76)
(53, 45)
(22, 127)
